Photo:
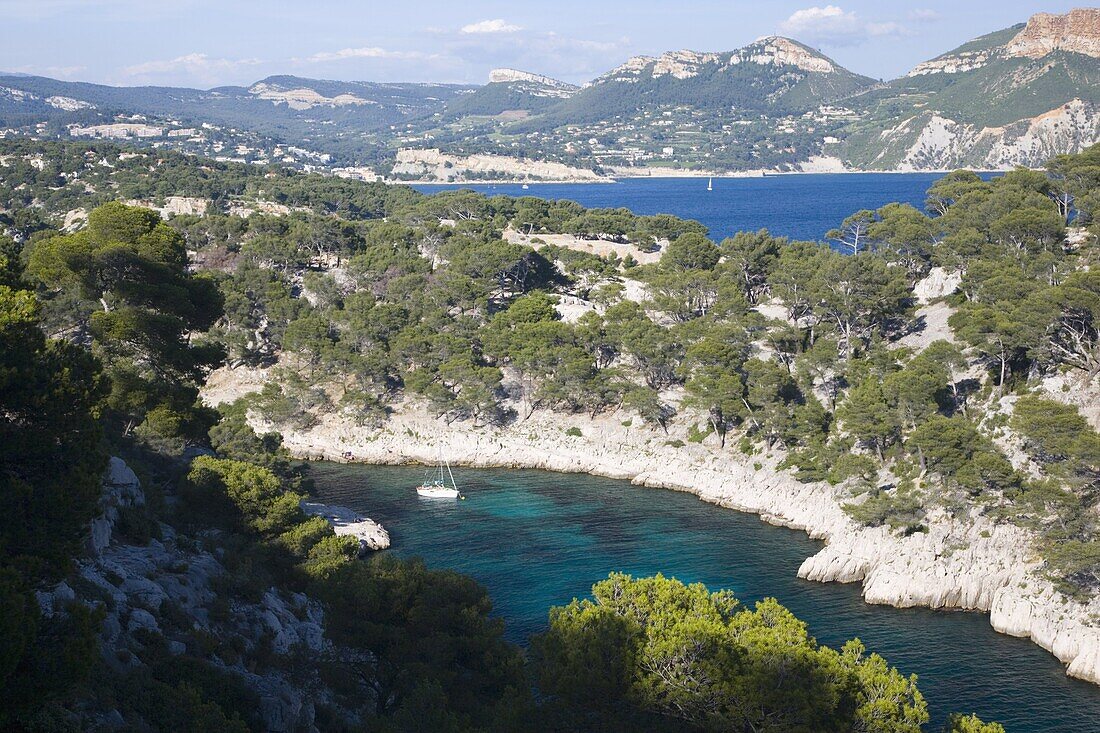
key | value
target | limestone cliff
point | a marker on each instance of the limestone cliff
(434, 165)
(537, 83)
(969, 563)
(171, 587)
(1078, 31)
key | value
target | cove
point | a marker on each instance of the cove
(537, 539)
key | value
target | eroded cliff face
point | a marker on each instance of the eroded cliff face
(936, 142)
(1078, 31)
(303, 98)
(780, 51)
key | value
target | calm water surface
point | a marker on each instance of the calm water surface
(537, 539)
(795, 206)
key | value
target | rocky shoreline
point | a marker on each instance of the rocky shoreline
(347, 523)
(972, 564)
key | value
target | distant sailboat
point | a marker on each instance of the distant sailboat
(710, 184)
(525, 187)
(436, 487)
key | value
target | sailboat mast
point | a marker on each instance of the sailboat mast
(453, 484)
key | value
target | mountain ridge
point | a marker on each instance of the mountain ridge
(773, 104)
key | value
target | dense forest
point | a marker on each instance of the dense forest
(364, 297)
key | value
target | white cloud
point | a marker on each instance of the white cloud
(366, 52)
(498, 25)
(197, 65)
(833, 26)
(924, 15)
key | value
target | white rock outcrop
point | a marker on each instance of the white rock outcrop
(938, 283)
(121, 489)
(940, 143)
(347, 523)
(780, 51)
(1077, 31)
(686, 64)
(136, 587)
(536, 84)
(304, 98)
(431, 164)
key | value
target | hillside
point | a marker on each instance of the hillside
(511, 92)
(342, 120)
(773, 75)
(1016, 96)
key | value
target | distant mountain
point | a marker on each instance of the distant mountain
(1015, 96)
(513, 93)
(771, 75)
(289, 110)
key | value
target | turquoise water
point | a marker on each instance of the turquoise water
(537, 539)
(799, 207)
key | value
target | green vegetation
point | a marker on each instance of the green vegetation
(971, 724)
(655, 654)
(362, 297)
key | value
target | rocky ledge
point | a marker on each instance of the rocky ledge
(345, 522)
(168, 586)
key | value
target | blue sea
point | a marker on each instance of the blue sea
(797, 206)
(537, 539)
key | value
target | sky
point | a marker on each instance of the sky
(208, 43)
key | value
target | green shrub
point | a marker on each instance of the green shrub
(136, 525)
(300, 539)
(695, 435)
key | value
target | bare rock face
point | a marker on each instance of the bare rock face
(433, 164)
(134, 586)
(303, 99)
(682, 64)
(952, 64)
(1077, 31)
(944, 144)
(346, 523)
(121, 488)
(938, 283)
(685, 64)
(782, 51)
(543, 86)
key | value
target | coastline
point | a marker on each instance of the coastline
(969, 563)
(674, 175)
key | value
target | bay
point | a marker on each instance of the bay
(802, 207)
(537, 539)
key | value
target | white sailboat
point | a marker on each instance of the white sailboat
(710, 184)
(436, 487)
